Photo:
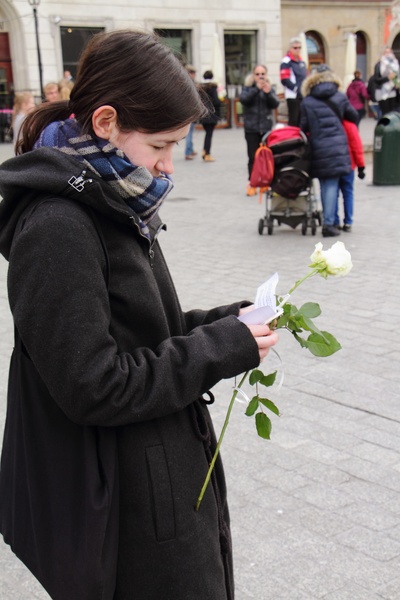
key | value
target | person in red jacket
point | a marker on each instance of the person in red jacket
(346, 182)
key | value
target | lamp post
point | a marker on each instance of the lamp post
(35, 4)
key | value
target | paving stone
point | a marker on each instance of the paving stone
(352, 592)
(370, 516)
(390, 591)
(376, 545)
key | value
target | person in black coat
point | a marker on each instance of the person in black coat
(258, 99)
(322, 110)
(108, 437)
(209, 121)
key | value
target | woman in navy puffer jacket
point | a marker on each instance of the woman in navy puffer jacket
(322, 110)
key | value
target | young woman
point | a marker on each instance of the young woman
(108, 437)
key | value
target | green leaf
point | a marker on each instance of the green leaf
(295, 324)
(309, 325)
(287, 308)
(268, 380)
(282, 321)
(252, 406)
(310, 310)
(255, 376)
(264, 425)
(324, 344)
(302, 342)
(270, 405)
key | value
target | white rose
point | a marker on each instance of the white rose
(335, 261)
(318, 255)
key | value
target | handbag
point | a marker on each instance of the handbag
(58, 490)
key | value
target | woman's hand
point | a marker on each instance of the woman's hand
(265, 338)
(246, 309)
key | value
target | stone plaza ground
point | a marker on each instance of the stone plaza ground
(316, 510)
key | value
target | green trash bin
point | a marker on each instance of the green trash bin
(387, 150)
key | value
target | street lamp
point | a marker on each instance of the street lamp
(35, 4)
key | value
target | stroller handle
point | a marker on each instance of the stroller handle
(299, 132)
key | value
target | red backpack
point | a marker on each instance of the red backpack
(262, 172)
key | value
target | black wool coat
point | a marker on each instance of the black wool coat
(112, 453)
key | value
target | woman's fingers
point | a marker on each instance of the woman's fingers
(264, 338)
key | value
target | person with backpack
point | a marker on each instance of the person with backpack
(258, 99)
(322, 110)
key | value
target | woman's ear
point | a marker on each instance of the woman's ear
(104, 121)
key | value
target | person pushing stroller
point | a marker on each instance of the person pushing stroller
(321, 114)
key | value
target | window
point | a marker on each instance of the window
(361, 45)
(315, 48)
(240, 55)
(179, 40)
(396, 46)
(73, 40)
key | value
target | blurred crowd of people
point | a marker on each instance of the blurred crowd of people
(24, 101)
(327, 114)
(308, 93)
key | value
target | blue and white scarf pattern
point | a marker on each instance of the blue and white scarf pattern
(142, 192)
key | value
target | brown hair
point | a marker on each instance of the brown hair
(132, 71)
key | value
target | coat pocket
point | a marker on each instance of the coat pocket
(161, 493)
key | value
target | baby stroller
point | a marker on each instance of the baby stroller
(290, 199)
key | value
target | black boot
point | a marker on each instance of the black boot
(330, 231)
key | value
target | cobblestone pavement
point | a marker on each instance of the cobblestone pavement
(315, 511)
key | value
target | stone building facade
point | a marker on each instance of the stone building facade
(327, 25)
(226, 36)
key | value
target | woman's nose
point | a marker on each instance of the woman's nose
(166, 165)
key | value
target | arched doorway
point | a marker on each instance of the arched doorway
(6, 76)
(361, 50)
(315, 48)
(13, 61)
(396, 46)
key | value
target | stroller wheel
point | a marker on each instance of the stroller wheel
(270, 225)
(313, 226)
(261, 226)
(304, 226)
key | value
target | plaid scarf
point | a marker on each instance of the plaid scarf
(142, 192)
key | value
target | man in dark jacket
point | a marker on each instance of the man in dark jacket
(322, 110)
(293, 72)
(258, 99)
